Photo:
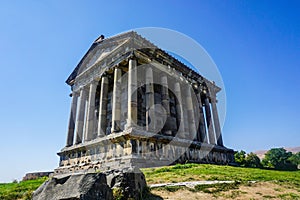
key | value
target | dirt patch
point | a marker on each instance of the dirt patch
(259, 190)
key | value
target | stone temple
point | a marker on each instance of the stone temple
(134, 104)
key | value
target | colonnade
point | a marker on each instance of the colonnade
(85, 125)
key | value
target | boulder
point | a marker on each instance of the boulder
(126, 183)
(92, 186)
(129, 182)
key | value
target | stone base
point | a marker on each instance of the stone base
(128, 183)
(140, 149)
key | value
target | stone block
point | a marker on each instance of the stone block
(130, 182)
(91, 186)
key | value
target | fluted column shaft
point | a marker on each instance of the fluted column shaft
(80, 116)
(150, 120)
(90, 123)
(132, 94)
(103, 107)
(216, 121)
(165, 100)
(209, 124)
(202, 129)
(72, 120)
(116, 101)
(179, 109)
(190, 112)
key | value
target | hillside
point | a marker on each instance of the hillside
(246, 183)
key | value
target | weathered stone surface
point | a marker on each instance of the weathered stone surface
(91, 186)
(130, 182)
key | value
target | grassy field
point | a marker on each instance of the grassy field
(22, 190)
(196, 172)
(270, 184)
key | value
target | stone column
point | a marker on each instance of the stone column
(165, 100)
(216, 120)
(191, 115)
(209, 124)
(71, 128)
(179, 109)
(90, 127)
(202, 129)
(102, 107)
(132, 94)
(150, 122)
(80, 116)
(185, 113)
(116, 101)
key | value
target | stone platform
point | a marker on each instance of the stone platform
(138, 148)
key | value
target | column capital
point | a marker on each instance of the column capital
(118, 68)
(81, 88)
(211, 89)
(204, 91)
(104, 79)
(95, 81)
(164, 79)
(132, 56)
(213, 99)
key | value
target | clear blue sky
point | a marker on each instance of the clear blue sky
(255, 44)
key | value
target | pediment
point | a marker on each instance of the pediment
(100, 53)
(103, 52)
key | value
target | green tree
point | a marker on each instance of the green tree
(240, 157)
(252, 160)
(278, 158)
(295, 159)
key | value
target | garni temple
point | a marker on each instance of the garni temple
(134, 104)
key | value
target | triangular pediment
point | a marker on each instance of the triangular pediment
(100, 52)
(103, 51)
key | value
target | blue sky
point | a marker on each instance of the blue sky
(255, 44)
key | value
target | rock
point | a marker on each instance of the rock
(126, 183)
(92, 186)
(130, 182)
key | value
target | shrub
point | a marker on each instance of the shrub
(278, 158)
(252, 160)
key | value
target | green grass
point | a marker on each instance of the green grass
(22, 190)
(186, 172)
(240, 176)
(190, 172)
(289, 196)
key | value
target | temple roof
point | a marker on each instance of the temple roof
(134, 43)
